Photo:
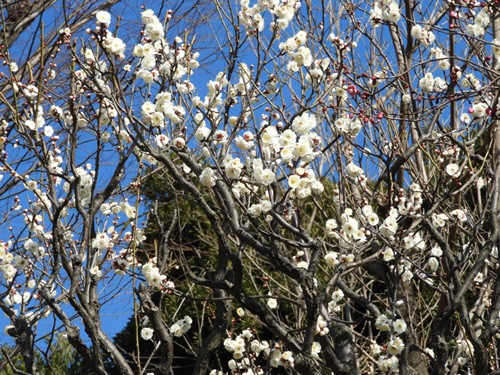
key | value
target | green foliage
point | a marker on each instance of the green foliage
(190, 226)
(192, 243)
(58, 357)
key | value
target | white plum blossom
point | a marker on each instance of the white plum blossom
(382, 323)
(31, 91)
(439, 220)
(406, 98)
(424, 36)
(453, 170)
(479, 278)
(207, 177)
(367, 210)
(103, 18)
(443, 61)
(373, 219)
(322, 326)
(272, 303)
(147, 333)
(315, 349)
(182, 326)
(304, 123)
(13, 67)
(332, 259)
(202, 133)
(427, 83)
(436, 251)
(495, 48)
(353, 170)
(152, 274)
(478, 110)
(376, 79)
(384, 11)
(481, 21)
(220, 137)
(102, 241)
(264, 176)
(302, 57)
(395, 346)
(389, 226)
(388, 254)
(233, 168)
(337, 295)
(244, 142)
(399, 326)
(432, 264)
(459, 214)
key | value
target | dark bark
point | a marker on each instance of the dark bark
(223, 313)
(440, 344)
(25, 340)
(217, 334)
(344, 351)
(154, 313)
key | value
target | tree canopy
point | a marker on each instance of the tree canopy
(284, 186)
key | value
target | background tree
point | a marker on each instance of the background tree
(59, 357)
(341, 164)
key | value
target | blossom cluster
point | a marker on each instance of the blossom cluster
(246, 349)
(426, 37)
(388, 360)
(7, 267)
(300, 55)
(443, 61)
(154, 277)
(385, 10)
(429, 84)
(278, 146)
(253, 21)
(181, 326)
(481, 22)
(107, 40)
(348, 125)
(334, 304)
(177, 329)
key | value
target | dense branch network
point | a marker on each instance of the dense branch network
(323, 198)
